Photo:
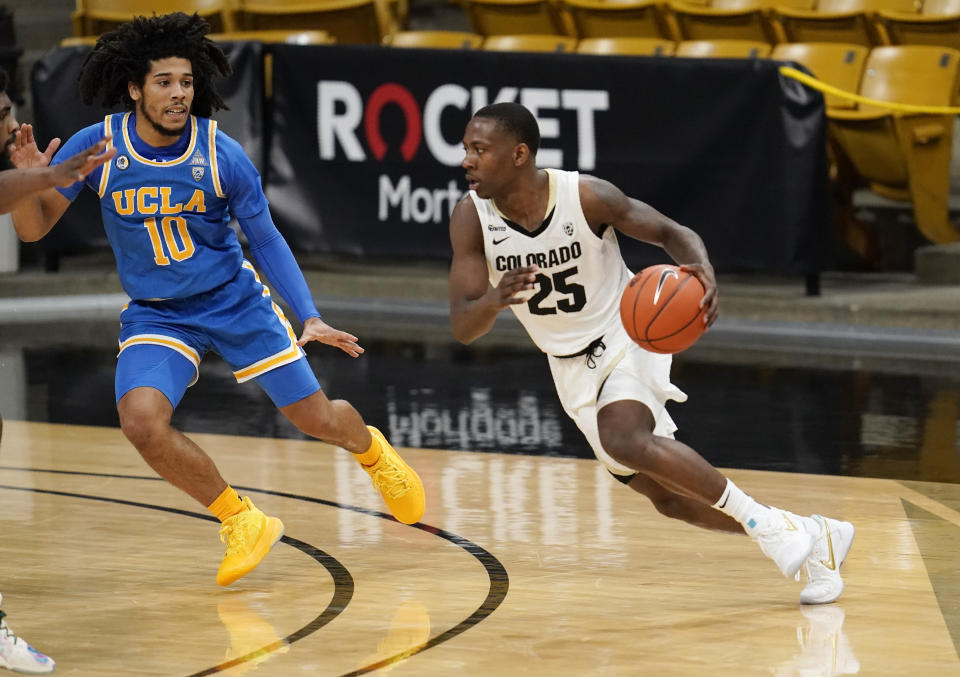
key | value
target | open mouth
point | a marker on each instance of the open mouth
(176, 112)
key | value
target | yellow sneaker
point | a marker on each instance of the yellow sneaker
(249, 535)
(397, 482)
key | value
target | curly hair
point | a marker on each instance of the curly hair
(4, 80)
(124, 55)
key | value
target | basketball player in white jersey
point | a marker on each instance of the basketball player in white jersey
(544, 244)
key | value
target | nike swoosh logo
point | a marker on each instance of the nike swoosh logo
(667, 272)
(790, 525)
(832, 564)
(501, 239)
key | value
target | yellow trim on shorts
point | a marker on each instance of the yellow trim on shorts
(165, 341)
(284, 357)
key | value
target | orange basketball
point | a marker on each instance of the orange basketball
(660, 309)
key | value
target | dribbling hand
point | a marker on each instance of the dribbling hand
(315, 329)
(513, 283)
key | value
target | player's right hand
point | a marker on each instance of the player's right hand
(513, 282)
(77, 167)
(25, 154)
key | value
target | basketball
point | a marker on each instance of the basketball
(660, 309)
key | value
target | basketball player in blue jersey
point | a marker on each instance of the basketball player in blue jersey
(166, 200)
(615, 391)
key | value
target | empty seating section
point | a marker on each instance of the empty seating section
(434, 39)
(623, 18)
(515, 17)
(530, 43)
(722, 19)
(902, 155)
(730, 49)
(93, 17)
(627, 46)
(348, 21)
(937, 23)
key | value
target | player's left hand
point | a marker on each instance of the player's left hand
(315, 329)
(710, 301)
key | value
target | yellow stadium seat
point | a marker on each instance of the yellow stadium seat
(937, 23)
(623, 18)
(901, 155)
(627, 46)
(276, 37)
(835, 63)
(515, 17)
(434, 39)
(348, 21)
(530, 43)
(850, 21)
(729, 49)
(93, 17)
(722, 20)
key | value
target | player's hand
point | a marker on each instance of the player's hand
(80, 165)
(513, 282)
(315, 329)
(25, 154)
(704, 273)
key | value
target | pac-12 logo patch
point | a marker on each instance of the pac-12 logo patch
(122, 162)
(197, 173)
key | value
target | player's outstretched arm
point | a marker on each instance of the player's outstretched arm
(474, 304)
(36, 205)
(603, 202)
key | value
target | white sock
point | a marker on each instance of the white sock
(741, 507)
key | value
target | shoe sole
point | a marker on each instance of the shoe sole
(272, 533)
(406, 519)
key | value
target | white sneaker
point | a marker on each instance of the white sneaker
(784, 541)
(17, 655)
(833, 541)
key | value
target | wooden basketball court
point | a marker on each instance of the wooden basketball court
(522, 565)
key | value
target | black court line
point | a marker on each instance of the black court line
(343, 581)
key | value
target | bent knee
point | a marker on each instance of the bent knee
(632, 448)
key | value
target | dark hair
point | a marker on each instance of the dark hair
(124, 55)
(4, 80)
(515, 119)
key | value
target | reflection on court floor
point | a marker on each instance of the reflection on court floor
(540, 566)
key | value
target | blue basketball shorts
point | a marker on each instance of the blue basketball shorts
(162, 342)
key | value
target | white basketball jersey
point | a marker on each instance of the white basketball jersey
(577, 291)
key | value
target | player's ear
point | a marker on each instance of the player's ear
(521, 153)
(133, 90)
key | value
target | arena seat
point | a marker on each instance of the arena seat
(347, 21)
(728, 49)
(850, 21)
(515, 17)
(835, 63)
(722, 20)
(901, 155)
(937, 23)
(530, 43)
(624, 18)
(627, 46)
(290, 37)
(434, 39)
(93, 17)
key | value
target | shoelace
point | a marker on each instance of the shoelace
(6, 631)
(391, 480)
(232, 536)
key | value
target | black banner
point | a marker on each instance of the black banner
(367, 144)
(58, 112)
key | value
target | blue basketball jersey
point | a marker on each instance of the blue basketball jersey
(167, 219)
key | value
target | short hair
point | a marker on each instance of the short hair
(4, 80)
(515, 119)
(124, 55)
